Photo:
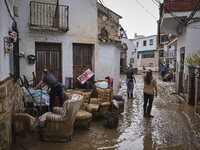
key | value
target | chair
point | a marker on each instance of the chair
(58, 125)
(83, 117)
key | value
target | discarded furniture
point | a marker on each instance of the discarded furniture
(103, 102)
(117, 105)
(58, 125)
(22, 122)
(83, 117)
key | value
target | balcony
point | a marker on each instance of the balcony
(174, 13)
(49, 16)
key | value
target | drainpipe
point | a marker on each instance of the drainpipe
(16, 54)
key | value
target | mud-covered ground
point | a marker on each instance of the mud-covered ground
(175, 126)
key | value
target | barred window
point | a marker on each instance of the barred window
(147, 55)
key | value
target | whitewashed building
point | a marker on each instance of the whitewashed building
(131, 55)
(109, 46)
(147, 54)
(185, 26)
(61, 35)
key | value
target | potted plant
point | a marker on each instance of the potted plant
(192, 61)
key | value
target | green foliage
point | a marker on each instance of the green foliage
(193, 59)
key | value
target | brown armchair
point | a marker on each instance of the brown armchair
(98, 106)
(58, 125)
(83, 117)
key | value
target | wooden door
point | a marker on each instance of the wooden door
(48, 55)
(82, 60)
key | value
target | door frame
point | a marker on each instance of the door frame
(60, 52)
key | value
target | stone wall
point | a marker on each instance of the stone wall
(10, 95)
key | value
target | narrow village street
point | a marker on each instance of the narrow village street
(175, 126)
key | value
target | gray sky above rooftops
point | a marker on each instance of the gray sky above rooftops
(139, 16)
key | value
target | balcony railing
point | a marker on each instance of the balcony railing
(49, 16)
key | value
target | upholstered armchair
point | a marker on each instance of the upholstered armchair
(58, 125)
(98, 106)
(83, 117)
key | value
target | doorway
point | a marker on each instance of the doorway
(181, 73)
(82, 60)
(48, 55)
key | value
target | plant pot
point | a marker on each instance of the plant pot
(191, 69)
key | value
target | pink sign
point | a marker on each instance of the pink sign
(85, 76)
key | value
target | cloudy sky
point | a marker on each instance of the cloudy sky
(139, 16)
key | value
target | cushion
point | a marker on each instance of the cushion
(105, 104)
(118, 98)
(82, 115)
(42, 119)
(93, 107)
(94, 100)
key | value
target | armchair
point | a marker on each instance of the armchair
(58, 125)
(83, 117)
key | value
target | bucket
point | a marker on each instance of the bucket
(111, 120)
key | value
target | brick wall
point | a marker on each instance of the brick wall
(9, 92)
(179, 5)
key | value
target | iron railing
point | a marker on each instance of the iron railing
(46, 15)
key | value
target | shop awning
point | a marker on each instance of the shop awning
(146, 52)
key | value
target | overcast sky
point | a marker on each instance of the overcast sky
(136, 18)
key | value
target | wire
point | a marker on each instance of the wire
(172, 14)
(155, 3)
(146, 10)
(92, 4)
(193, 12)
(9, 11)
(103, 4)
(108, 13)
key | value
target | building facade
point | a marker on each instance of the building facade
(10, 91)
(131, 54)
(60, 38)
(109, 46)
(180, 18)
(147, 54)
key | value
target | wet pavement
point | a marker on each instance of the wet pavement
(175, 126)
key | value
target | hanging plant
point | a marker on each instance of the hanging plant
(9, 40)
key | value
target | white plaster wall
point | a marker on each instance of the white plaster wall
(148, 46)
(131, 49)
(5, 25)
(108, 64)
(82, 29)
(192, 39)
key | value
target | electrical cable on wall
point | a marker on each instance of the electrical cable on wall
(172, 14)
(193, 13)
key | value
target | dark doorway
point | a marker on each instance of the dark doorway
(82, 60)
(48, 55)
(181, 73)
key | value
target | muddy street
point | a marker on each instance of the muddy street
(175, 126)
